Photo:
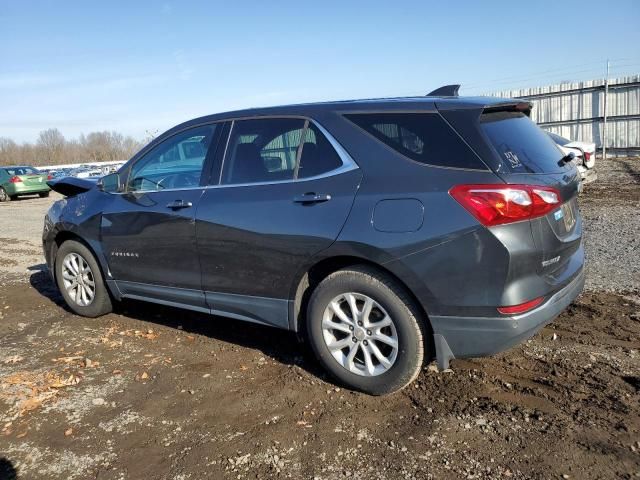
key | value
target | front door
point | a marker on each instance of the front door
(148, 231)
(283, 196)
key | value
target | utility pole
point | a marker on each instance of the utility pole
(604, 125)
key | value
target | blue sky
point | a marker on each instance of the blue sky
(139, 66)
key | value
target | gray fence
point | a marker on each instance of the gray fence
(576, 111)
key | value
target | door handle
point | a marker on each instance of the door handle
(177, 204)
(312, 198)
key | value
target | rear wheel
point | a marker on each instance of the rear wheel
(4, 196)
(80, 281)
(366, 330)
(43, 194)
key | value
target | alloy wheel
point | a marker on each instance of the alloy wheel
(78, 279)
(360, 334)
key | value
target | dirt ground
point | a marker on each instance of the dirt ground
(157, 393)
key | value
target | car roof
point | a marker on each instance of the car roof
(344, 106)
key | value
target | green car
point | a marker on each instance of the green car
(17, 181)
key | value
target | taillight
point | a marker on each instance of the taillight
(499, 204)
(521, 308)
(587, 156)
(15, 179)
(50, 177)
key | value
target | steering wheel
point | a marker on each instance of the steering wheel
(179, 180)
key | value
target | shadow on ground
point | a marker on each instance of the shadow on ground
(281, 345)
(7, 470)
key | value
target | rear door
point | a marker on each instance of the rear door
(283, 195)
(529, 156)
(148, 232)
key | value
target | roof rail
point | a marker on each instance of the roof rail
(446, 91)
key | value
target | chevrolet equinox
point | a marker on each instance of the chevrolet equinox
(387, 232)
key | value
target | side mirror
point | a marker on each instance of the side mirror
(111, 183)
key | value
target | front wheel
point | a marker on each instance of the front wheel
(366, 330)
(80, 281)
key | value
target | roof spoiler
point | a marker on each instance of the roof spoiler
(517, 106)
(446, 91)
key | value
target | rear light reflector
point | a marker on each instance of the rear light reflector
(523, 307)
(15, 179)
(50, 177)
(587, 156)
(499, 204)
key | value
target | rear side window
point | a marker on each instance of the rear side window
(277, 149)
(318, 155)
(522, 146)
(263, 150)
(423, 137)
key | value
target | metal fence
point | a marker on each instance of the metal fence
(577, 111)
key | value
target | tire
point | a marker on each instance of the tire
(76, 253)
(4, 196)
(390, 300)
(43, 194)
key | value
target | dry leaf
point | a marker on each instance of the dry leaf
(68, 359)
(144, 375)
(68, 432)
(20, 435)
(13, 359)
(116, 372)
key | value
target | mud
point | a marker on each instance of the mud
(157, 393)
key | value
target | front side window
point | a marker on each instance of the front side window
(173, 164)
(422, 137)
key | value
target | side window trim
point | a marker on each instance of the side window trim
(348, 163)
(303, 135)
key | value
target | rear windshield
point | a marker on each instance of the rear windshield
(523, 147)
(21, 170)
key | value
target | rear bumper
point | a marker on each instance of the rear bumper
(587, 175)
(21, 189)
(457, 337)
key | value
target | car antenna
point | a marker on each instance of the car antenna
(446, 91)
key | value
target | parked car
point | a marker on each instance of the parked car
(386, 232)
(585, 155)
(22, 180)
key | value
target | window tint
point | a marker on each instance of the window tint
(175, 163)
(262, 150)
(318, 155)
(523, 147)
(423, 137)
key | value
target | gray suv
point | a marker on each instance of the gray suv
(386, 232)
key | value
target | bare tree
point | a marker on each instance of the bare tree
(52, 148)
(51, 142)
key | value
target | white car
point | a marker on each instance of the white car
(585, 155)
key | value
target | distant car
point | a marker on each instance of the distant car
(22, 180)
(87, 172)
(585, 155)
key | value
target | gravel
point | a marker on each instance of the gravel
(610, 208)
